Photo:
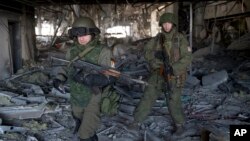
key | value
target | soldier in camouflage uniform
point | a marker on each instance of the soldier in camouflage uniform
(176, 47)
(85, 94)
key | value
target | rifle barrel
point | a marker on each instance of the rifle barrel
(113, 72)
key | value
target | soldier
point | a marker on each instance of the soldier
(85, 85)
(178, 55)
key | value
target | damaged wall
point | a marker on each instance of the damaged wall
(220, 9)
(4, 47)
(220, 22)
(28, 36)
(17, 40)
(141, 18)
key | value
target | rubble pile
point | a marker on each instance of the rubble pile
(215, 96)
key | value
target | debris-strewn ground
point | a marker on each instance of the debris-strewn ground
(216, 95)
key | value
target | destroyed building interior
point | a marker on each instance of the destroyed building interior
(216, 93)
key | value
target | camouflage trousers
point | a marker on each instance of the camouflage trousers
(89, 117)
(152, 92)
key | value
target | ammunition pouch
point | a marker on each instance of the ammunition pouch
(180, 80)
(110, 102)
(166, 71)
(81, 31)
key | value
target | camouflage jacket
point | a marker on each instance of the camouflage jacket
(80, 94)
(175, 45)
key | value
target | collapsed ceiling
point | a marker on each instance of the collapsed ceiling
(63, 2)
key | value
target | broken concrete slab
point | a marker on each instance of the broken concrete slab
(32, 89)
(6, 129)
(192, 81)
(214, 79)
(5, 99)
(57, 93)
(240, 44)
(201, 105)
(31, 138)
(22, 112)
(229, 110)
(127, 109)
(206, 51)
(21, 100)
(150, 136)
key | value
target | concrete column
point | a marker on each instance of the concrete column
(170, 8)
(39, 22)
(76, 9)
(154, 23)
(198, 20)
(5, 52)
(248, 23)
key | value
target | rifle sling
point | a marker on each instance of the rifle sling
(81, 55)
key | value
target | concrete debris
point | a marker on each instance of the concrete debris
(211, 49)
(149, 136)
(22, 112)
(127, 109)
(211, 102)
(6, 129)
(32, 89)
(35, 126)
(34, 75)
(192, 81)
(242, 75)
(57, 93)
(5, 99)
(215, 79)
(240, 44)
(30, 138)
(21, 100)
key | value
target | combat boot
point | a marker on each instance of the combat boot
(133, 126)
(179, 130)
(77, 125)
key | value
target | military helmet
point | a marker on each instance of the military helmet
(83, 26)
(168, 17)
(84, 22)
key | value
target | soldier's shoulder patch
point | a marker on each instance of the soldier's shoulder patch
(189, 49)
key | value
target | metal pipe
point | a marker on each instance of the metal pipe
(191, 31)
(191, 25)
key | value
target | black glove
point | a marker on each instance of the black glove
(168, 69)
(94, 80)
(159, 55)
(58, 84)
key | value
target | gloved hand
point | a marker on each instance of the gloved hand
(94, 80)
(58, 84)
(156, 64)
(159, 55)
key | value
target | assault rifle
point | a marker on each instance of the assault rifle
(100, 69)
(167, 71)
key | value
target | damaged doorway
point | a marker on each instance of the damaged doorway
(15, 45)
